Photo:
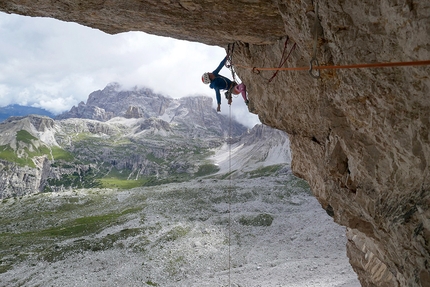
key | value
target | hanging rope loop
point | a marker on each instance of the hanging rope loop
(314, 73)
(283, 58)
(255, 70)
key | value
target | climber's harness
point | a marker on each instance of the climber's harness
(230, 90)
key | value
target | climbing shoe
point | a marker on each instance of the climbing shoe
(228, 97)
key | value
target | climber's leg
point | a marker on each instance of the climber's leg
(241, 88)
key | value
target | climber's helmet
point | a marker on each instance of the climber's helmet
(205, 78)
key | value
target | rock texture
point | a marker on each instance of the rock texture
(359, 137)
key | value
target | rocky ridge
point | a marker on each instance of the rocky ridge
(193, 112)
(359, 137)
(165, 140)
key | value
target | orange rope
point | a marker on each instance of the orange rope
(355, 66)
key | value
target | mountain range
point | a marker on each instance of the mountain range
(130, 138)
(19, 110)
(134, 188)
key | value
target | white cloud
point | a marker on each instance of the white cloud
(55, 65)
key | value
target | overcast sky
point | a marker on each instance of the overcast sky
(55, 65)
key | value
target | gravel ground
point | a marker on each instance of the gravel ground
(274, 232)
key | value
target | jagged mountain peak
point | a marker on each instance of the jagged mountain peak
(114, 101)
(114, 92)
(150, 138)
(195, 113)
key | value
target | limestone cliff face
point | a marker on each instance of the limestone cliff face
(360, 137)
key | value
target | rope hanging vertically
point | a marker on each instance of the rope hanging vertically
(229, 199)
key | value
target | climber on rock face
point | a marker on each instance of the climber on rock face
(218, 82)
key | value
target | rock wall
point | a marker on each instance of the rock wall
(24, 180)
(360, 137)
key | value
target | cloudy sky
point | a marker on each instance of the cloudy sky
(54, 65)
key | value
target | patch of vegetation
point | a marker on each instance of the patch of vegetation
(61, 154)
(172, 178)
(120, 174)
(206, 169)
(173, 265)
(83, 136)
(56, 252)
(298, 182)
(265, 171)
(297, 185)
(51, 228)
(5, 268)
(84, 225)
(8, 154)
(42, 150)
(153, 158)
(262, 219)
(230, 195)
(197, 206)
(150, 283)
(175, 233)
(120, 179)
(24, 136)
(78, 179)
(227, 175)
(17, 246)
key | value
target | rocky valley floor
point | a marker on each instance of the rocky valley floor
(175, 235)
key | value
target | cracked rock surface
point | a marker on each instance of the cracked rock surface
(359, 137)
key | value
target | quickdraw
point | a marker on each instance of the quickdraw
(229, 62)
